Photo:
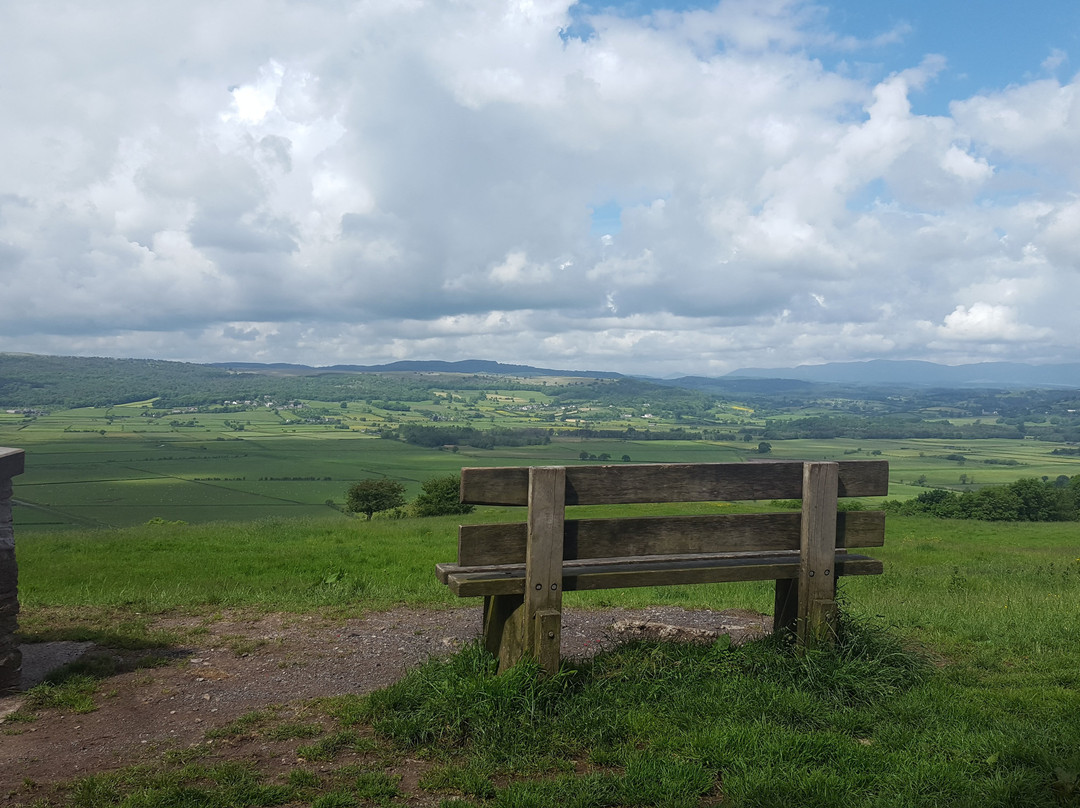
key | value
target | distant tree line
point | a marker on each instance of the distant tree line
(822, 427)
(1027, 500)
(630, 433)
(68, 381)
(435, 436)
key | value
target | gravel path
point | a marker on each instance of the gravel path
(237, 664)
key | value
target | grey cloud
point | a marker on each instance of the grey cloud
(383, 179)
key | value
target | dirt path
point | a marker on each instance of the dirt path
(236, 665)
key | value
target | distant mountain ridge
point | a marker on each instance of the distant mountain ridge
(481, 366)
(913, 373)
(30, 379)
(875, 372)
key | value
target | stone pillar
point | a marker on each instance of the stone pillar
(11, 464)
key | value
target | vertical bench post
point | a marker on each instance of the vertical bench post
(503, 637)
(516, 626)
(786, 605)
(11, 464)
(816, 621)
(543, 565)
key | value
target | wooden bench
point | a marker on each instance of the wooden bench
(522, 569)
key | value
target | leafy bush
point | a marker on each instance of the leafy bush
(373, 495)
(440, 496)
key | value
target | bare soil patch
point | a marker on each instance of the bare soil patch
(237, 664)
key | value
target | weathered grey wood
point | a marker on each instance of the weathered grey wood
(504, 543)
(672, 482)
(543, 561)
(786, 604)
(817, 569)
(498, 572)
(522, 568)
(657, 571)
(504, 635)
(548, 639)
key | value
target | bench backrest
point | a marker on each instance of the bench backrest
(522, 569)
(506, 543)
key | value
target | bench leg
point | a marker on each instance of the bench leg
(786, 605)
(817, 573)
(509, 639)
(543, 565)
(504, 628)
(547, 639)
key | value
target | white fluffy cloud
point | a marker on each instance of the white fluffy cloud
(359, 182)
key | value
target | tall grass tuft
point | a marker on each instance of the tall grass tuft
(461, 701)
(869, 722)
(868, 663)
(621, 699)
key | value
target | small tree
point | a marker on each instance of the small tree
(371, 496)
(440, 496)
(764, 447)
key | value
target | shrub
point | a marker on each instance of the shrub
(371, 496)
(440, 496)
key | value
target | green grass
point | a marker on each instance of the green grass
(869, 723)
(269, 564)
(999, 594)
(958, 682)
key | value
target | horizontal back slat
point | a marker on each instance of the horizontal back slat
(672, 482)
(656, 573)
(665, 535)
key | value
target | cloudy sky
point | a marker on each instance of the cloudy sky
(655, 187)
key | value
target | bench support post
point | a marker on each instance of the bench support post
(516, 626)
(543, 565)
(503, 636)
(786, 605)
(816, 617)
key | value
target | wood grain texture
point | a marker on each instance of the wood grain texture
(522, 568)
(504, 632)
(504, 543)
(547, 641)
(616, 574)
(817, 568)
(786, 605)
(543, 559)
(672, 482)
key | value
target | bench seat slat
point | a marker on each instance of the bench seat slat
(672, 482)
(649, 571)
(504, 543)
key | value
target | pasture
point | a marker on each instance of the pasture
(125, 465)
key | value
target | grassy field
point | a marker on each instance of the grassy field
(125, 465)
(958, 682)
